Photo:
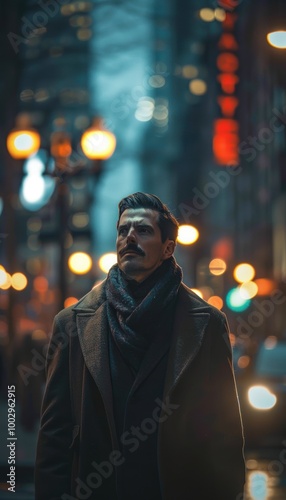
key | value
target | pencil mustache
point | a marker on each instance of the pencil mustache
(132, 248)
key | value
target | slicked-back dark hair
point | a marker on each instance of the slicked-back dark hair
(167, 223)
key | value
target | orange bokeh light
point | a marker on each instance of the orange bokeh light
(228, 82)
(243, 361)
(41, 284)
(226, 141)
(7, 283)
(230, 18)
(60, 145)
(70, 301)
(217, 266)
(216, 301)
(227, 62)
(228, 105)
(19, 281)
(227, 41)
(265, 286)
(223, 249)
(98, 144)
(23, 143)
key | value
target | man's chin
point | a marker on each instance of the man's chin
(131, 269)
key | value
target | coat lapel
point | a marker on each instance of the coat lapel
(92, 332)
(191, 320)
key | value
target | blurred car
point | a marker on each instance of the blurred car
(262, 394)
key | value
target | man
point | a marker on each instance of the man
(140, 402)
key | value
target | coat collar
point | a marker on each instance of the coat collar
(92, 326)
(90, 302)
(191, 319)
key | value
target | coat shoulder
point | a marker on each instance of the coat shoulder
(194, 302)
(88, 303)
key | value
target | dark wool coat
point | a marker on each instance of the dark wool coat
(200, 441)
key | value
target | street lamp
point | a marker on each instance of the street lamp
(23, 141)
(98, 143)
(187, 234)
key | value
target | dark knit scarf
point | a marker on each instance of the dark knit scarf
(137, 311)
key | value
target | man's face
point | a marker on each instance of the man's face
(139, 246)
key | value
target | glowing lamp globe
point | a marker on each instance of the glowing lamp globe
(23, 143)
(187, 234)
(106, 261)
(98, 143)
(80, 262)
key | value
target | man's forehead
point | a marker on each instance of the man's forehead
(138, 215)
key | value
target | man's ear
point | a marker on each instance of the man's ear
(169, 249)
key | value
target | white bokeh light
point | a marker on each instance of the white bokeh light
(33, 188)
(261, 398)
(277, 39)
(23, 141)
(34, 166)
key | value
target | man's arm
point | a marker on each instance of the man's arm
(228, 443)
(53, 460)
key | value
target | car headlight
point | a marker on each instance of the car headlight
(261, 398)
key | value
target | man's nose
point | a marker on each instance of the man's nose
(131, 236)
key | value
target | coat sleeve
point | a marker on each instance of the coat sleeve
(227, 445)
(54, 456)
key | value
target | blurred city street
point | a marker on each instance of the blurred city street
(184, 99)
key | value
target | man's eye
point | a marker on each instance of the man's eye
(122, 231)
